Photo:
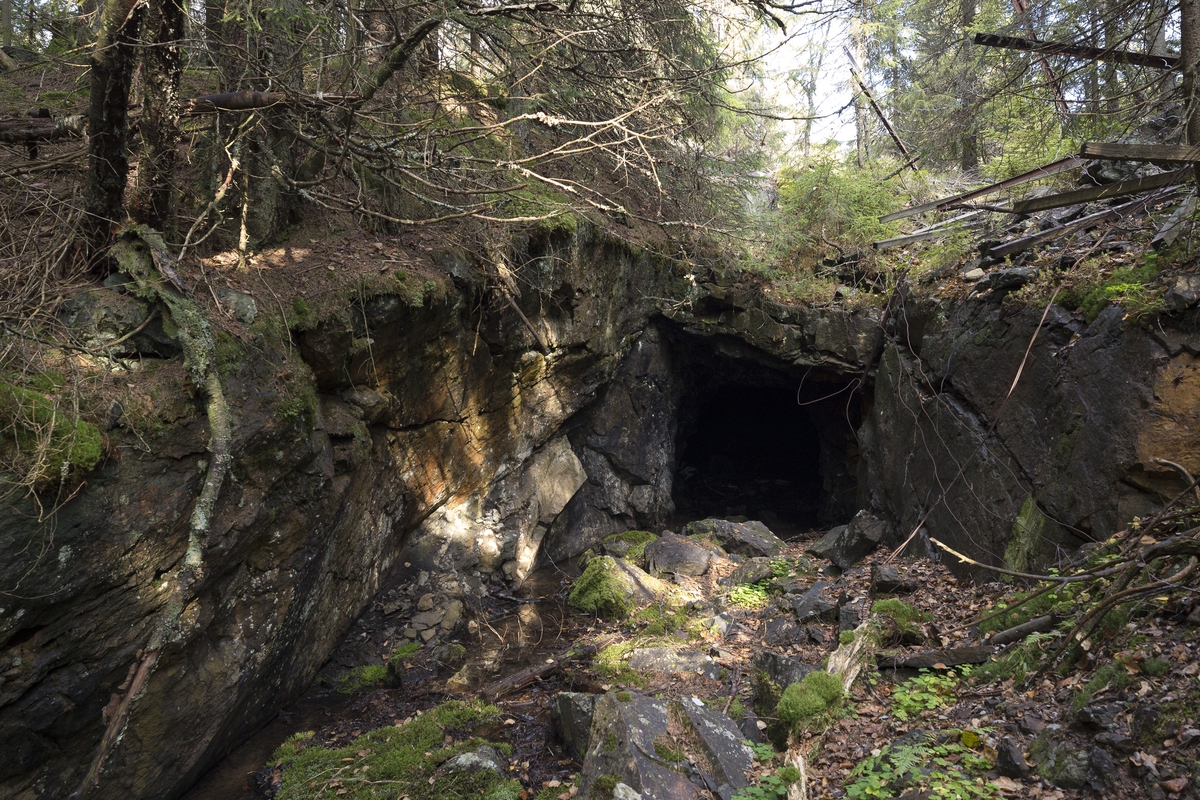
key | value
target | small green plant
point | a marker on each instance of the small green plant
(750, 595)
(904, 614)
(737, 709)
(1156, 667)
(666, 748)
(770, 787)
(948, 768)
(781, 567)
(407, 649)
(926, 692)
(763, 751)
(361, 678)
(1113, 674)
(629, 545)
(624, 697)
(403, 758)
(603, 787)
(846, 637)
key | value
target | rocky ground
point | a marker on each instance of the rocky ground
(697, 636)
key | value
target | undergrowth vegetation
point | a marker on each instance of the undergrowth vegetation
(405, 760)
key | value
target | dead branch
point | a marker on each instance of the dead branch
(519, 680)
(1110, 54)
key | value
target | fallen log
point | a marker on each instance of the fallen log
(519, 680)
(1017, 633)
(39, 129)
(946, 657)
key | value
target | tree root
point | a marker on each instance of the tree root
(199, 350)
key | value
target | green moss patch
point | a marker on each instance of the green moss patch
(806, 703)
(399, 761)
(630, 545)
(42, 438)
(598, 592)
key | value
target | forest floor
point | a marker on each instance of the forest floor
(1121, 722)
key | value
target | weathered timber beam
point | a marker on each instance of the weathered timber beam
(932, 232)
(1058, 232)
(1074, 51)
(1133, 186)
(1053, 168)
(1169, 232)
(1118, 151)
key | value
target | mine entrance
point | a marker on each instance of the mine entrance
(770, 443)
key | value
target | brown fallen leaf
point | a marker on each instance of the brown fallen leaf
(1174, 785)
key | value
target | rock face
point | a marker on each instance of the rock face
(1068, 457)
(473, 445)
(441, 445)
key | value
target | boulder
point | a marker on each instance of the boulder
(744, 538)
(1007, 279)
(752, 570)
(846, 545)
(676, 555)
(784, 631)
(813, 606)
(1184, 294)
(611, 586)
(483, 758)
(571, 715)
(664, 659)
(1064, 766)
(641, 742)
(1010, 761)
(886, 579)
(728, 757)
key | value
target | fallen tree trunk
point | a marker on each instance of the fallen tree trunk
(1017, 633)
(519, 680)
(947, 657)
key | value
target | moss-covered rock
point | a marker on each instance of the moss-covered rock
(613, 589)
(804, 703)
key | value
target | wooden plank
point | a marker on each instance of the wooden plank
(1050, 235)
(1118, 151)
(1111, 54)
(940, 659)
(1134, 186)
(1045, 171)
(932, 232)
(1174, 226)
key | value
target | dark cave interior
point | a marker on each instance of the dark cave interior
(765, 441)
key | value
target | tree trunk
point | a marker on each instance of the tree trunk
(108, 123)
(862, 134)
(968, 156)
(6, 23)
(1189, 55)
(163, 67)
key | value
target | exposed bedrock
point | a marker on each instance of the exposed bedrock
(463, 437)
(1024, 473)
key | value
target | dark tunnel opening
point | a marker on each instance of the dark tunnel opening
(767, 442)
